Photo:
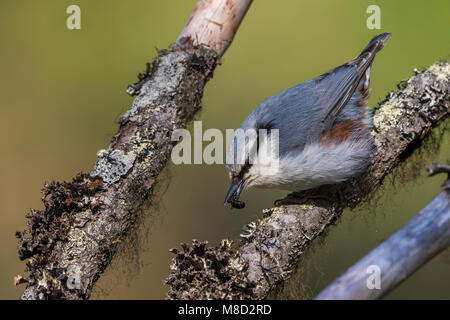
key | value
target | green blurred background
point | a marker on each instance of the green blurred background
(62, 92)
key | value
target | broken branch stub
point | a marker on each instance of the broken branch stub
(214, 23)
(83, 218)
(271, 247)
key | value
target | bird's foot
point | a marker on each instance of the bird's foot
(292, 198)
(300, 197)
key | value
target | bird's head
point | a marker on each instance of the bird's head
(250, 157)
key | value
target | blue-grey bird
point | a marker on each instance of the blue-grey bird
(323, 132)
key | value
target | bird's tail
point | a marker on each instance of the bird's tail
(350, 75)
(376, 44)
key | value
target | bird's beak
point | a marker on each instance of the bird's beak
(237, 186)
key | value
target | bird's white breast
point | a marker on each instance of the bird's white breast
(315, 165)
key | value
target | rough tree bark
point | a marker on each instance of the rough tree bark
(78, 232)
(413, 245)
(272, 246)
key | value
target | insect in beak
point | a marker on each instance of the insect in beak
(237, 186)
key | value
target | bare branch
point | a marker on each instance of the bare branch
(214, 23)
(413, 245)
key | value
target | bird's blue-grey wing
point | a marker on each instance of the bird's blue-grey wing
(293, 112)
(335, 88)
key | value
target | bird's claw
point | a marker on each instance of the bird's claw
(297, 198)
(292, 198)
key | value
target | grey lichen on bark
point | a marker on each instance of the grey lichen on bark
(84, 220)
(271, 247)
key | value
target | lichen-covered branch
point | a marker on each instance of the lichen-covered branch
(71, 242)
(271, 247)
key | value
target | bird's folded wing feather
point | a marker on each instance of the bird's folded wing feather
(337, 86)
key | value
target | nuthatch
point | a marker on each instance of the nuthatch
(323, 132)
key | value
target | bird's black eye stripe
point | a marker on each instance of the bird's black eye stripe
(263, 126)
(268, 126)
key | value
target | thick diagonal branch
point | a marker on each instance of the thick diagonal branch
(71, 242)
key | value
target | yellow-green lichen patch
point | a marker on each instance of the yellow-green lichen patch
(388, 116)
(441, 70)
